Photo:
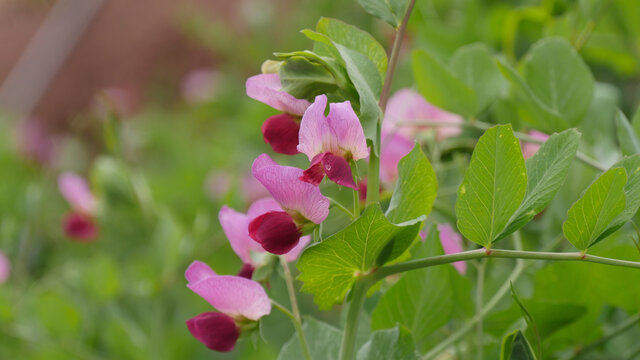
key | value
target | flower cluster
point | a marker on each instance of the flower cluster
(80, 223)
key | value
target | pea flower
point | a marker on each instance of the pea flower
(199, 85)
(394, 147)
(302, 204)
(529, 149)
(331, 141)
(236, 227)
(280, 131)
(451, 244)
(240, 302)
(5, 268)
(79, 224)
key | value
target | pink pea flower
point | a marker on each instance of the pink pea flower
(395, 146)
(451, 244)
(253, 189)
(237, 299)
(236, 227)
(5, 268)
(199, 85)
(406, 106)
(529, 149)
(331, 141)
(35, 143)
(280, 131)
(79, 224)
(217, 184)
(279, 231)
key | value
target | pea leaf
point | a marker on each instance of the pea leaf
(559, 77)
(516, 347)
(493, 187)
(329, 269)
(629, 142)
(305, 79)
(395, 343)
(474, 65)
(590, 216)
(323, 341)
(531, 322)
(436, 83)
(631, 165)
(391, 11)
(546, 172)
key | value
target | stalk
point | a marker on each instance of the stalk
(298, 326)
(347, 346)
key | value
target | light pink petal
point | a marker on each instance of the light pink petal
(75, 190)
(293, 254)
(266, 88)
(198, 271)
(217, 184)
(5, 267)
(347, 128)
(262, 206)
(451, 244)
(447, 132)
(199, 85)
(395, 146)
(315, 135)
(293, 194)
(234, 225)
(233, 295)
(529, 149)
(253, 189)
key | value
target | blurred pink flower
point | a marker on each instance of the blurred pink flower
(279, 231)
(217, 184)
(124, 100)
(75, 190)
(236, 298)
(451, 244)
(5, 268)
(331, 141)
(407, 106)
(529, 149)
(80, 227)
(280, 131)
(395, 146)
(35, 143)
(253, 189)
(199, 85)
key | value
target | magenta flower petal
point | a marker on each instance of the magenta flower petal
(281, 132)
(216, 331)
(246, 271)
(529, 149)
(5, 268)
(346, 126)
(266, 88)
(234, 225)
(451, 244)
(338, 170)
(275, 231)
(232, 295)
(75, 190)
(294, 253)
(395, 146)
(315, 173)
(80, 227)
(293, 194)
(315, 135)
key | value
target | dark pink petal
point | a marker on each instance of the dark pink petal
(246, 271)
(281, 132)
(338, 170)
(529, 149)
(315, 173)
(232, 295)
(5, 267)
(75, 190)
(216, 331)
(344, 123)
(293, 194)
(395, 146)
(266, 88)
(275, 231)
(80, 227)
(451, 244)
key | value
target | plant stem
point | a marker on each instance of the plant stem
(290, 288)
(351, 326)
(298, 326)
(522, 136)
(356, 193)
(498, 253)
(626, 325)
(479, 295)
(341, 207)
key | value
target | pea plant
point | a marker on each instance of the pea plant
(428, 188)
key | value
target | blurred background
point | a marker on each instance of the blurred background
(146, 100)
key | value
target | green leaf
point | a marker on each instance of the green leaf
(531, 322)
(412, 301)
(414, 194)
(529, 107)
(629, 142)
(493, 186)
(474, 65)
(631, 165)
(437, 84)
(329, 269)
(590, 216)
(559, 77)
(516, 347)
(395, 343)
(305, 79)
(391, 11)
(546, 172)
(355, 39)
(323, 341)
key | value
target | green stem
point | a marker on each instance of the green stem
(351, 326)
(341, 207)
(373, 180)
(626, 325)
(298, 326)
(356, 193)
(290, 288)
(522, 136)
(498, 253)
(479, 295)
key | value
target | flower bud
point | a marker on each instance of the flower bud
(80, 227)
(216, 331)
(281, 132)
(275, 231)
